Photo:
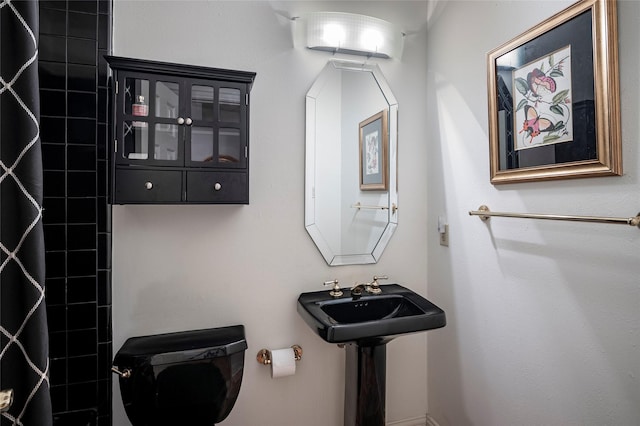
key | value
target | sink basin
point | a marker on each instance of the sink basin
(369, 319)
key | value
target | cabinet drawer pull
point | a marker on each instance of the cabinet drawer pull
(217, 186)
(148, 185)
(180, 120)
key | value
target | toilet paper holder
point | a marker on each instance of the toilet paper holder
(264, 355)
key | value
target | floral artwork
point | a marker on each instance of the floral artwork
(542, 101)
(373, 145)
(372, 153)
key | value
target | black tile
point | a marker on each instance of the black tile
(82, 342)
(102, 142)
(104, 245)
(103, 97)
(81, 105)
(83, 369)
(104, 22)
(104, 6)
(52, 48)
(81, 316)
(53, 156)
(73, 32)
(87, 6)
(54, 183)
(56, 318)
(83, 396)
(58, 370)
(53, 129)
(58, 398)
(81, 237)
(55, 291)
(53, 21)
(81, 263)
(54, 210)
(55, 237)
(81, 51)
(104, 360)
(104, 215)
(81, 184)
(57, 345)
(103, 170)
(53, 103)
(81, 289)
(81, 210)
(76, 418)
(81, 130)
(104, 397)
(104, 288)
(81, 157)
(81, 77)
(83, 25)
(103, 69)
(55, 262)
(52, 75)
(104, 324)
(53, 4)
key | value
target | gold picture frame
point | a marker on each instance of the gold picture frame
(374, 152)
(554, 102)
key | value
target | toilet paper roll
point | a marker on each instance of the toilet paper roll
(283, 363)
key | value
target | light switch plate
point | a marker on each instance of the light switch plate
(444, 236)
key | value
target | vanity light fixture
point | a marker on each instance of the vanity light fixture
(352, 34)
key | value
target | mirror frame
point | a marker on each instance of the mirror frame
(334, 259)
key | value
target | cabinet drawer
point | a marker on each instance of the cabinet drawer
(217, 187)
(148, 186)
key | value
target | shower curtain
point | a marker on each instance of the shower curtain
(24, 363)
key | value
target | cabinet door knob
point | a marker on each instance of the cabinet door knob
(180, 120)
(188, 121)
(217, 186)
(148, 185)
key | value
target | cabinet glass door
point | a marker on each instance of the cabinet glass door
(230, 146)
(135, 131)
(214, 136)
(202, 114)
(167, 127)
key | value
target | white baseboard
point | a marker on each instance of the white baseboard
(431, 421)
(416, 421)
(426, 420)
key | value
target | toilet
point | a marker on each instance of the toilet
(186, 378)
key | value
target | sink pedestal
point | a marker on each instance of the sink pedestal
(365, 385)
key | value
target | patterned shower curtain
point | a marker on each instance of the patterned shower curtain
(24, 363)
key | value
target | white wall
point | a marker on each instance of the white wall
(544, 318)
(187, 267)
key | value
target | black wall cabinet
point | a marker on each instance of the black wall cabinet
(181, 133)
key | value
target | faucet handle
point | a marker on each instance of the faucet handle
(335, 291)
(374, 287)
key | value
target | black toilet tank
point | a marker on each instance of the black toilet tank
(186, 378)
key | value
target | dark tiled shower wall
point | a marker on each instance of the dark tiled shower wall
(74, 37)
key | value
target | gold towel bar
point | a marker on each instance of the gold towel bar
(362, 206)
(484, 213)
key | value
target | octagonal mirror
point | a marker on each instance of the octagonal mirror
(351, 193)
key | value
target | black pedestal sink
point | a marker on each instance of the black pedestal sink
(365, 324)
